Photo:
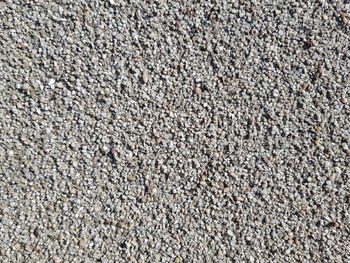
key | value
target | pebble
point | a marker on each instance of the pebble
(337, 170)
(344, 100)
(239, 199)
(177, 260)
(230, 233)
(82, 243)
(57, 260)
(145, 78)
(278, 12)
(51, 83)
(152, 35)
(131, 178)
(197, 91)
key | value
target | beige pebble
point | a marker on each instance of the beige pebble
(82, 243)
(232, 174)
(239, 199)
(344, 100)
(57, 260)
(145, 78)
(152, 35)
(197, 91)
(278, 12)
(131, 178)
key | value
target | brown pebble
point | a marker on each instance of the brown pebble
(197, 91)
(344, 100)
(318, 129)
(344, 18)
(332, 224)
(302, 212)
(113, 105)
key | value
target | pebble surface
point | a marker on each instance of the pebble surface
(174, 131)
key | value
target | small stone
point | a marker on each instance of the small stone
(344, 18)
(233, 174)
(144, 78)
(344, 100)
(197, 91)
(82, 243)
(51, 83)
(152, 35)
(177, 260)
(151, 189)
(332, 224)
(112, 2)
(302, 212)
(131, 178)
(113, 105)
(337, 170)
(132, 147)
(278, 12)
(57, 260)
(239, 199)
(230, 233)
(318, 129)
(17, 247)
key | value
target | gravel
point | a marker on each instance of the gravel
(174, 131)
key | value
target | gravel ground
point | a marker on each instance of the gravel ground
(174, 131)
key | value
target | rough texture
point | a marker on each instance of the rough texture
(174, 131)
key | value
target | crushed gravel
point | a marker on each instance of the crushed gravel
(174, 131)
